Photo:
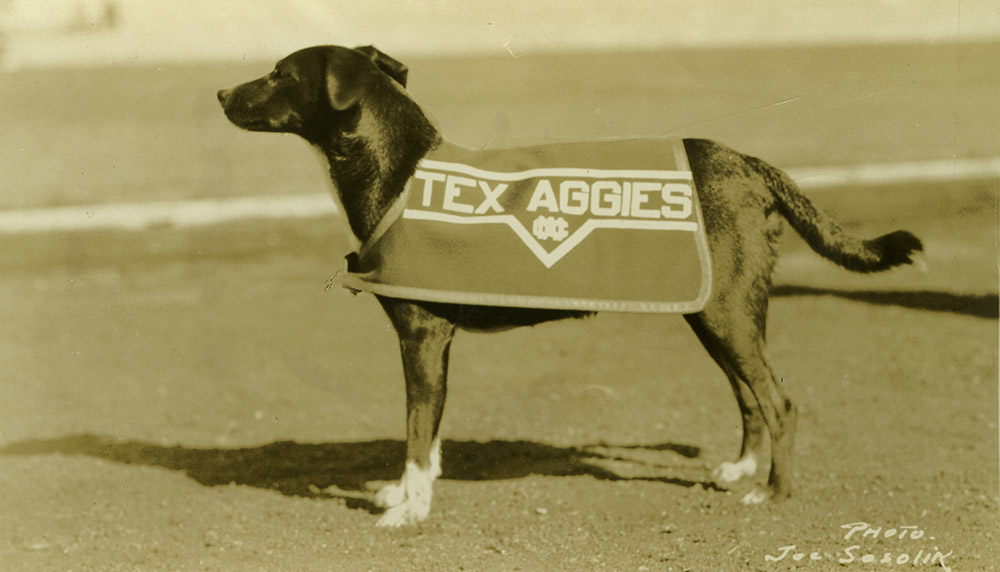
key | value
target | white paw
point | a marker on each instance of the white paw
(758, 495)
(390, 496)
(404, 514)
(728, 473)
(409, 501)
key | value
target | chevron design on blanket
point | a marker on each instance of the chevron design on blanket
(609, 225)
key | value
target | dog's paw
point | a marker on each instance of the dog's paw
(759, 495)
(390, 496)
(408, 501)
(404, 514)
(728, 473)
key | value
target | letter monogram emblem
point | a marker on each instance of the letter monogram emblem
(550, 227)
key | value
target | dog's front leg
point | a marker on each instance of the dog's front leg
(424, 341)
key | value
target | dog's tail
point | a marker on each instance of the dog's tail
(827, 238)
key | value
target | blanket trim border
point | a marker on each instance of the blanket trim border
(352, 282)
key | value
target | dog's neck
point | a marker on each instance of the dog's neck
(373, 154)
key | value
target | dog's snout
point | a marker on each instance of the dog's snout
(223, 95)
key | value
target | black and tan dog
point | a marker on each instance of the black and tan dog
(351, 105)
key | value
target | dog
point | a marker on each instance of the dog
(351, 105)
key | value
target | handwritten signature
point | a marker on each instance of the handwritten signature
(909, 537)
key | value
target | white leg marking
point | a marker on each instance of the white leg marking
(408, 502)
(758, 495)
(728, 473)
(390, 496)
(394, 495)
(436, 458)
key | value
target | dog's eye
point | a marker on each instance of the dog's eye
(277, 74)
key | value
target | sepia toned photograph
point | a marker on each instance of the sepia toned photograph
(543, 286)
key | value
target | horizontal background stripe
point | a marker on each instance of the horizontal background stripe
(210, 211)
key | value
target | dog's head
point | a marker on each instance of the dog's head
(311, 89)
(351, 105)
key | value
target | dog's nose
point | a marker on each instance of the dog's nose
(223, 95)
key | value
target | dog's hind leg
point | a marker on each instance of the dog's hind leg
(737, 344)
(781, 416)
(743, 224)
(424, 341)
(752, 451)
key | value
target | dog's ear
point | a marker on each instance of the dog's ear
(390, 66)
(347, 77)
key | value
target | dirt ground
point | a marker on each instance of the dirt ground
(197, 400)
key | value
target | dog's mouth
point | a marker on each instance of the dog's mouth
(248, 117)
(289, 123)
(251, 124)
(244, 120)
(248, 123)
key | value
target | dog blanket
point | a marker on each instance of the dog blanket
(602, 225)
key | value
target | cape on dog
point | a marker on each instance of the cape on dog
(583, 226)
(398, 181)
